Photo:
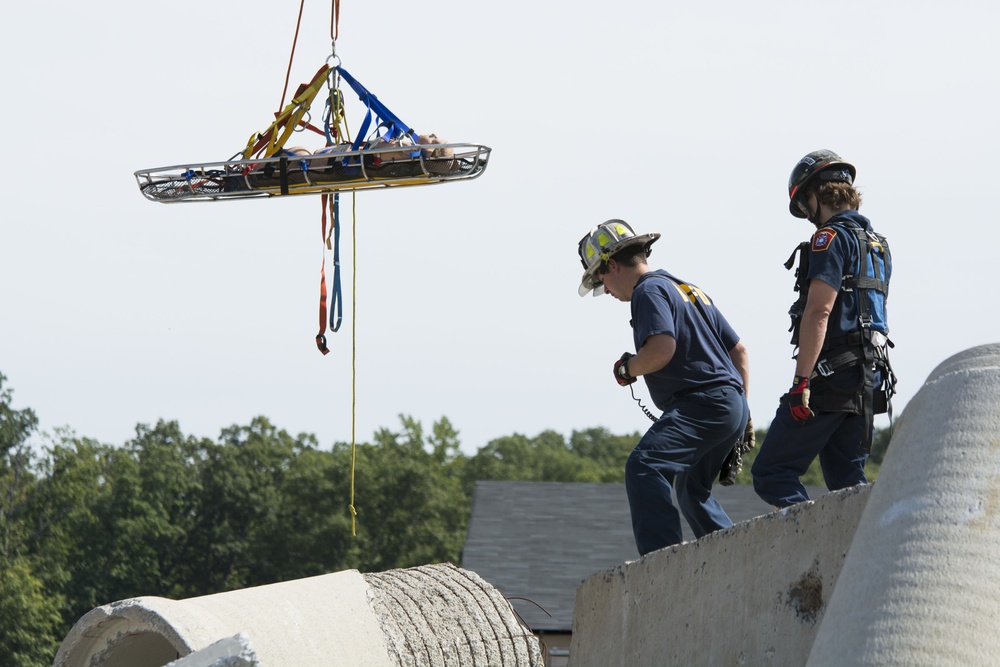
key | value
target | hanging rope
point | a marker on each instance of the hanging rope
(335, 23)
(335, 126)
(291, 56)
(354, 350)
(336, 307)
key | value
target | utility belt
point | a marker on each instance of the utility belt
(853, 375)
(829, 365)
(852, 349)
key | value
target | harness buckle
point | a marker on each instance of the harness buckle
(823, 369)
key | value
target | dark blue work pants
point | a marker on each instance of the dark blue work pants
(684, 450)
(790, 447)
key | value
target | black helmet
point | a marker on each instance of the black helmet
(827, 165)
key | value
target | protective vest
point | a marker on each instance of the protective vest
(850, 366)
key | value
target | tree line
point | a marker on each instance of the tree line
(84, 523)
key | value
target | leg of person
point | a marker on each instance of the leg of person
(666, 450)
(788, 449)
(694, 496)
(843, 459)
(720, 416)
(648, 481)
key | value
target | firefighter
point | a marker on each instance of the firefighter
(697, 373)
(842, 376)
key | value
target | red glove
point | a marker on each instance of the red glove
(798, 399)
(622, 375)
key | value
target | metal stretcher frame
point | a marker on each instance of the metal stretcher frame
(318, 173)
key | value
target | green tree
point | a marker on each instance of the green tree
(240, 482)
(30, 622)
(412, 509)
(309, 532)
(608, 451)
(74, 514)
(167, 487)
(880, 445)
(520, 458)
(16, 477)
(114, 522)
(29, 617)
(444, 442)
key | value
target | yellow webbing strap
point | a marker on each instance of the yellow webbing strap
(287, 120)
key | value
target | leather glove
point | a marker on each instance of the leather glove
(749, 440)
(622, 376)
(731, 467)
(798, 399)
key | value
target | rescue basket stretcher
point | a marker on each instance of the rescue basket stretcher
(336, 169)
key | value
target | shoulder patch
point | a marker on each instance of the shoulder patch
(822, 238)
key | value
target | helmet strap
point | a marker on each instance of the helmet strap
(812, 216)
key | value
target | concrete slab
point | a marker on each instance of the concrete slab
(749, 595)
(921, 584)
(428, 616)
(234, 651)
(325, 620)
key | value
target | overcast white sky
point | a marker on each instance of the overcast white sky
(684, 119)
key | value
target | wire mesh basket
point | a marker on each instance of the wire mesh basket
(335, 169)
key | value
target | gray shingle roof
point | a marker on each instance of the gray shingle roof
(540, 540)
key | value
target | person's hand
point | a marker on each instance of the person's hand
(622, 376)
(749, 440)
(798, 399)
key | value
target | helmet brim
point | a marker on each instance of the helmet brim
(795, 210)
(590, 283)
(588, 286)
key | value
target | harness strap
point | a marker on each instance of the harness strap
(335, 296)
(798, 308)
(288, 119)
(867, 282)
(867, 263)
(395, 127)
(321, 336)
(800, 248)
(863, 346)
(829, 365)
(283, 177)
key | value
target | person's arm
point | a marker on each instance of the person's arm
(654, 354)
(812, 329)
(741, 359)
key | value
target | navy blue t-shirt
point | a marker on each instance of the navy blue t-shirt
(668, 305)
(833, 254)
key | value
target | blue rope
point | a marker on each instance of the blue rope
(336, 300)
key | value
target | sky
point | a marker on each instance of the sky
(460, 299)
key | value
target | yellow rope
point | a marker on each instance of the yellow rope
(354, 349)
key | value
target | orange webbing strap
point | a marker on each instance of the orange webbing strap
(321, 336)
(291, 117)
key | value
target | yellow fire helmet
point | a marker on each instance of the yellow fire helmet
(600, 244)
